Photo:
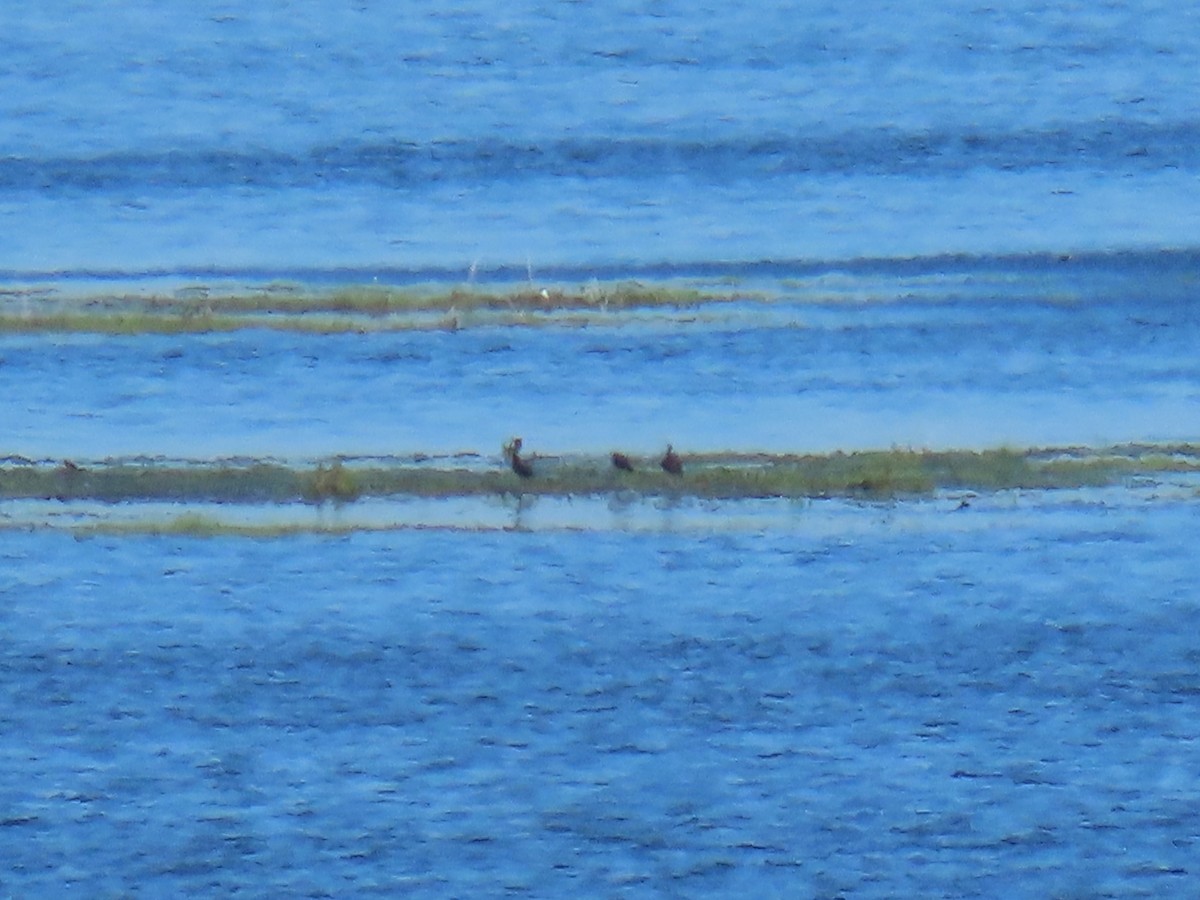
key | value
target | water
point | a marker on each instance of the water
(583, 697)
(165, 137)
(879, 700)
(869, 360)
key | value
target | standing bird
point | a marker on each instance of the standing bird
(621, 461)
(671, 463)
(513, 451)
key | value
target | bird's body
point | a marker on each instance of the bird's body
(671, 463)
(521, 466)
(622, 462)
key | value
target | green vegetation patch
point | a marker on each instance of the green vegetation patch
(199, 525)
(867, 474)
(345, 309)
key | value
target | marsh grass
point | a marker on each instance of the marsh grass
(189, 524)
(257, 483)
(131, 323)
(193, 524)
(334, 482)
(199, 525)
(344, 309)
(866, 474)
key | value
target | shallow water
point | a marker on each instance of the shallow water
(607, 697)
(167, 136)
(891, 699)
(976, 357)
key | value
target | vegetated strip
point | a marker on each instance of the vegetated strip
(197, 524)
(867, 474)
(346, 309)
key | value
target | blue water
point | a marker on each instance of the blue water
(169, 137)
(976, 226)
(1095, 357)
(882, 701)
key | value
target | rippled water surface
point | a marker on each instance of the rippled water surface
(951, 225)
(1078, 354)
(234, 135)
(884, 699)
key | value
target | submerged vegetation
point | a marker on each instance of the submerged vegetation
(200, 525)
(348, 309)
(866, 474)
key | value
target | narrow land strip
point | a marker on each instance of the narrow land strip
(867, 474)
(350, 309)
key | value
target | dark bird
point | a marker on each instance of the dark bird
(621, 461)
(520, 466)
(671, 463)
(68, 478)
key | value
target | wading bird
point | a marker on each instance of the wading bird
(513, 451)
(671, 463)
(621, 461)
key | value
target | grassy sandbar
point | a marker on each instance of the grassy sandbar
(866, 474)
(346, 309)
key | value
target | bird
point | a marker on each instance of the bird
(513, 451)
(671, 463)
(621, 461)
